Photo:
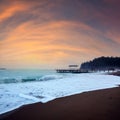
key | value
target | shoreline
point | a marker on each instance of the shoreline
(27, 93)
(95, 105)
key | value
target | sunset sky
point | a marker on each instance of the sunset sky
(55, 33)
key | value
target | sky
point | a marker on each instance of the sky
(49, 34)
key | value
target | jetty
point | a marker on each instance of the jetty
(72, 69)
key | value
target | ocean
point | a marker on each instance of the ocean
(20, 87)
(26, 75)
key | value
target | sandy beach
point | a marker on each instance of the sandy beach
(93, 105)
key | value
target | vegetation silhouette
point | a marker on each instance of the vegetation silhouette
(101, 63)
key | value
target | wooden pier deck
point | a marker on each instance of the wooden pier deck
(70, 71)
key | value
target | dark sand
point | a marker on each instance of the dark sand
(94, 105)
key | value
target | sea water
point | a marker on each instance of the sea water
(26, 75)
(19, 87)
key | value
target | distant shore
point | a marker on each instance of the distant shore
(94, 105)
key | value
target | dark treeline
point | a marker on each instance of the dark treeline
(102, 63)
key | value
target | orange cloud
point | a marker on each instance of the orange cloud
(114, 35)
(51, 36)
(50, 43)
(36, 42)
(11, 10)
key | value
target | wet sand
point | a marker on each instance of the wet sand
(93, 105)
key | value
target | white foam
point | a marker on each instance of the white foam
(29, 97)
(16, 94)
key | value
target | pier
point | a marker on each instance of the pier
(70, 71)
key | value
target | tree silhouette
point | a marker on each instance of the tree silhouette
(101, 63)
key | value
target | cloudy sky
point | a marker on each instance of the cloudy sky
(55, 33)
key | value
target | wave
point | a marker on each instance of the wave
(30, 79)
(50, 77)
(8, 80)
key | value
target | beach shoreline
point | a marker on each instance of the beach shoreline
(94, 105)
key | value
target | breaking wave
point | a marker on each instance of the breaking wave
(30, 79)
